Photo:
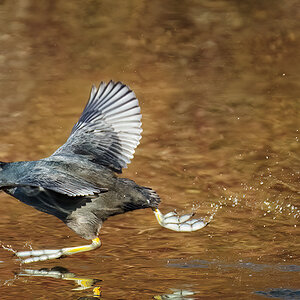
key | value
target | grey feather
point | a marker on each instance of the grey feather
(109, 128)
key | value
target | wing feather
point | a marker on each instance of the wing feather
(109, 128)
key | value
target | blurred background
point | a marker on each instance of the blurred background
(218, 85)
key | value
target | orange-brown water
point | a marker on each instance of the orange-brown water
(218, 84)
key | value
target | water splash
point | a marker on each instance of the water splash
(278, 207)
(214, 207)
(274, 207)
(8, 248)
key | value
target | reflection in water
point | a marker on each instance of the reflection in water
(85, 283)
(176, 295)
(286, 294)
(203, 264)
(63, 274)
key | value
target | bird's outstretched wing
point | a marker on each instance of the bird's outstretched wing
(109, 128)
(61, 183)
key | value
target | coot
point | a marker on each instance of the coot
(78, 182)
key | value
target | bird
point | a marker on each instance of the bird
(79, 183)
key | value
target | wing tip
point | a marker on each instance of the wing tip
(112, 107)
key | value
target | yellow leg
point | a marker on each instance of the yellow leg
(158, 215)
(96, 243)
(41, 255)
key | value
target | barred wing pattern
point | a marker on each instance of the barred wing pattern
(109, 128)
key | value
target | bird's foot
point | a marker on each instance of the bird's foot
(42, 255)
(38, 255)
(183, 223)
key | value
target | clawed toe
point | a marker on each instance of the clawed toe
(178, 223)
(38, 255)
(174, 218)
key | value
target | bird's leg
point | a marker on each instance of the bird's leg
(178, 223)
(41, 255)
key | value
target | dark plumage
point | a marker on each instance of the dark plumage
(77, 183)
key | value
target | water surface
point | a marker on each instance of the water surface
(218, 84)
